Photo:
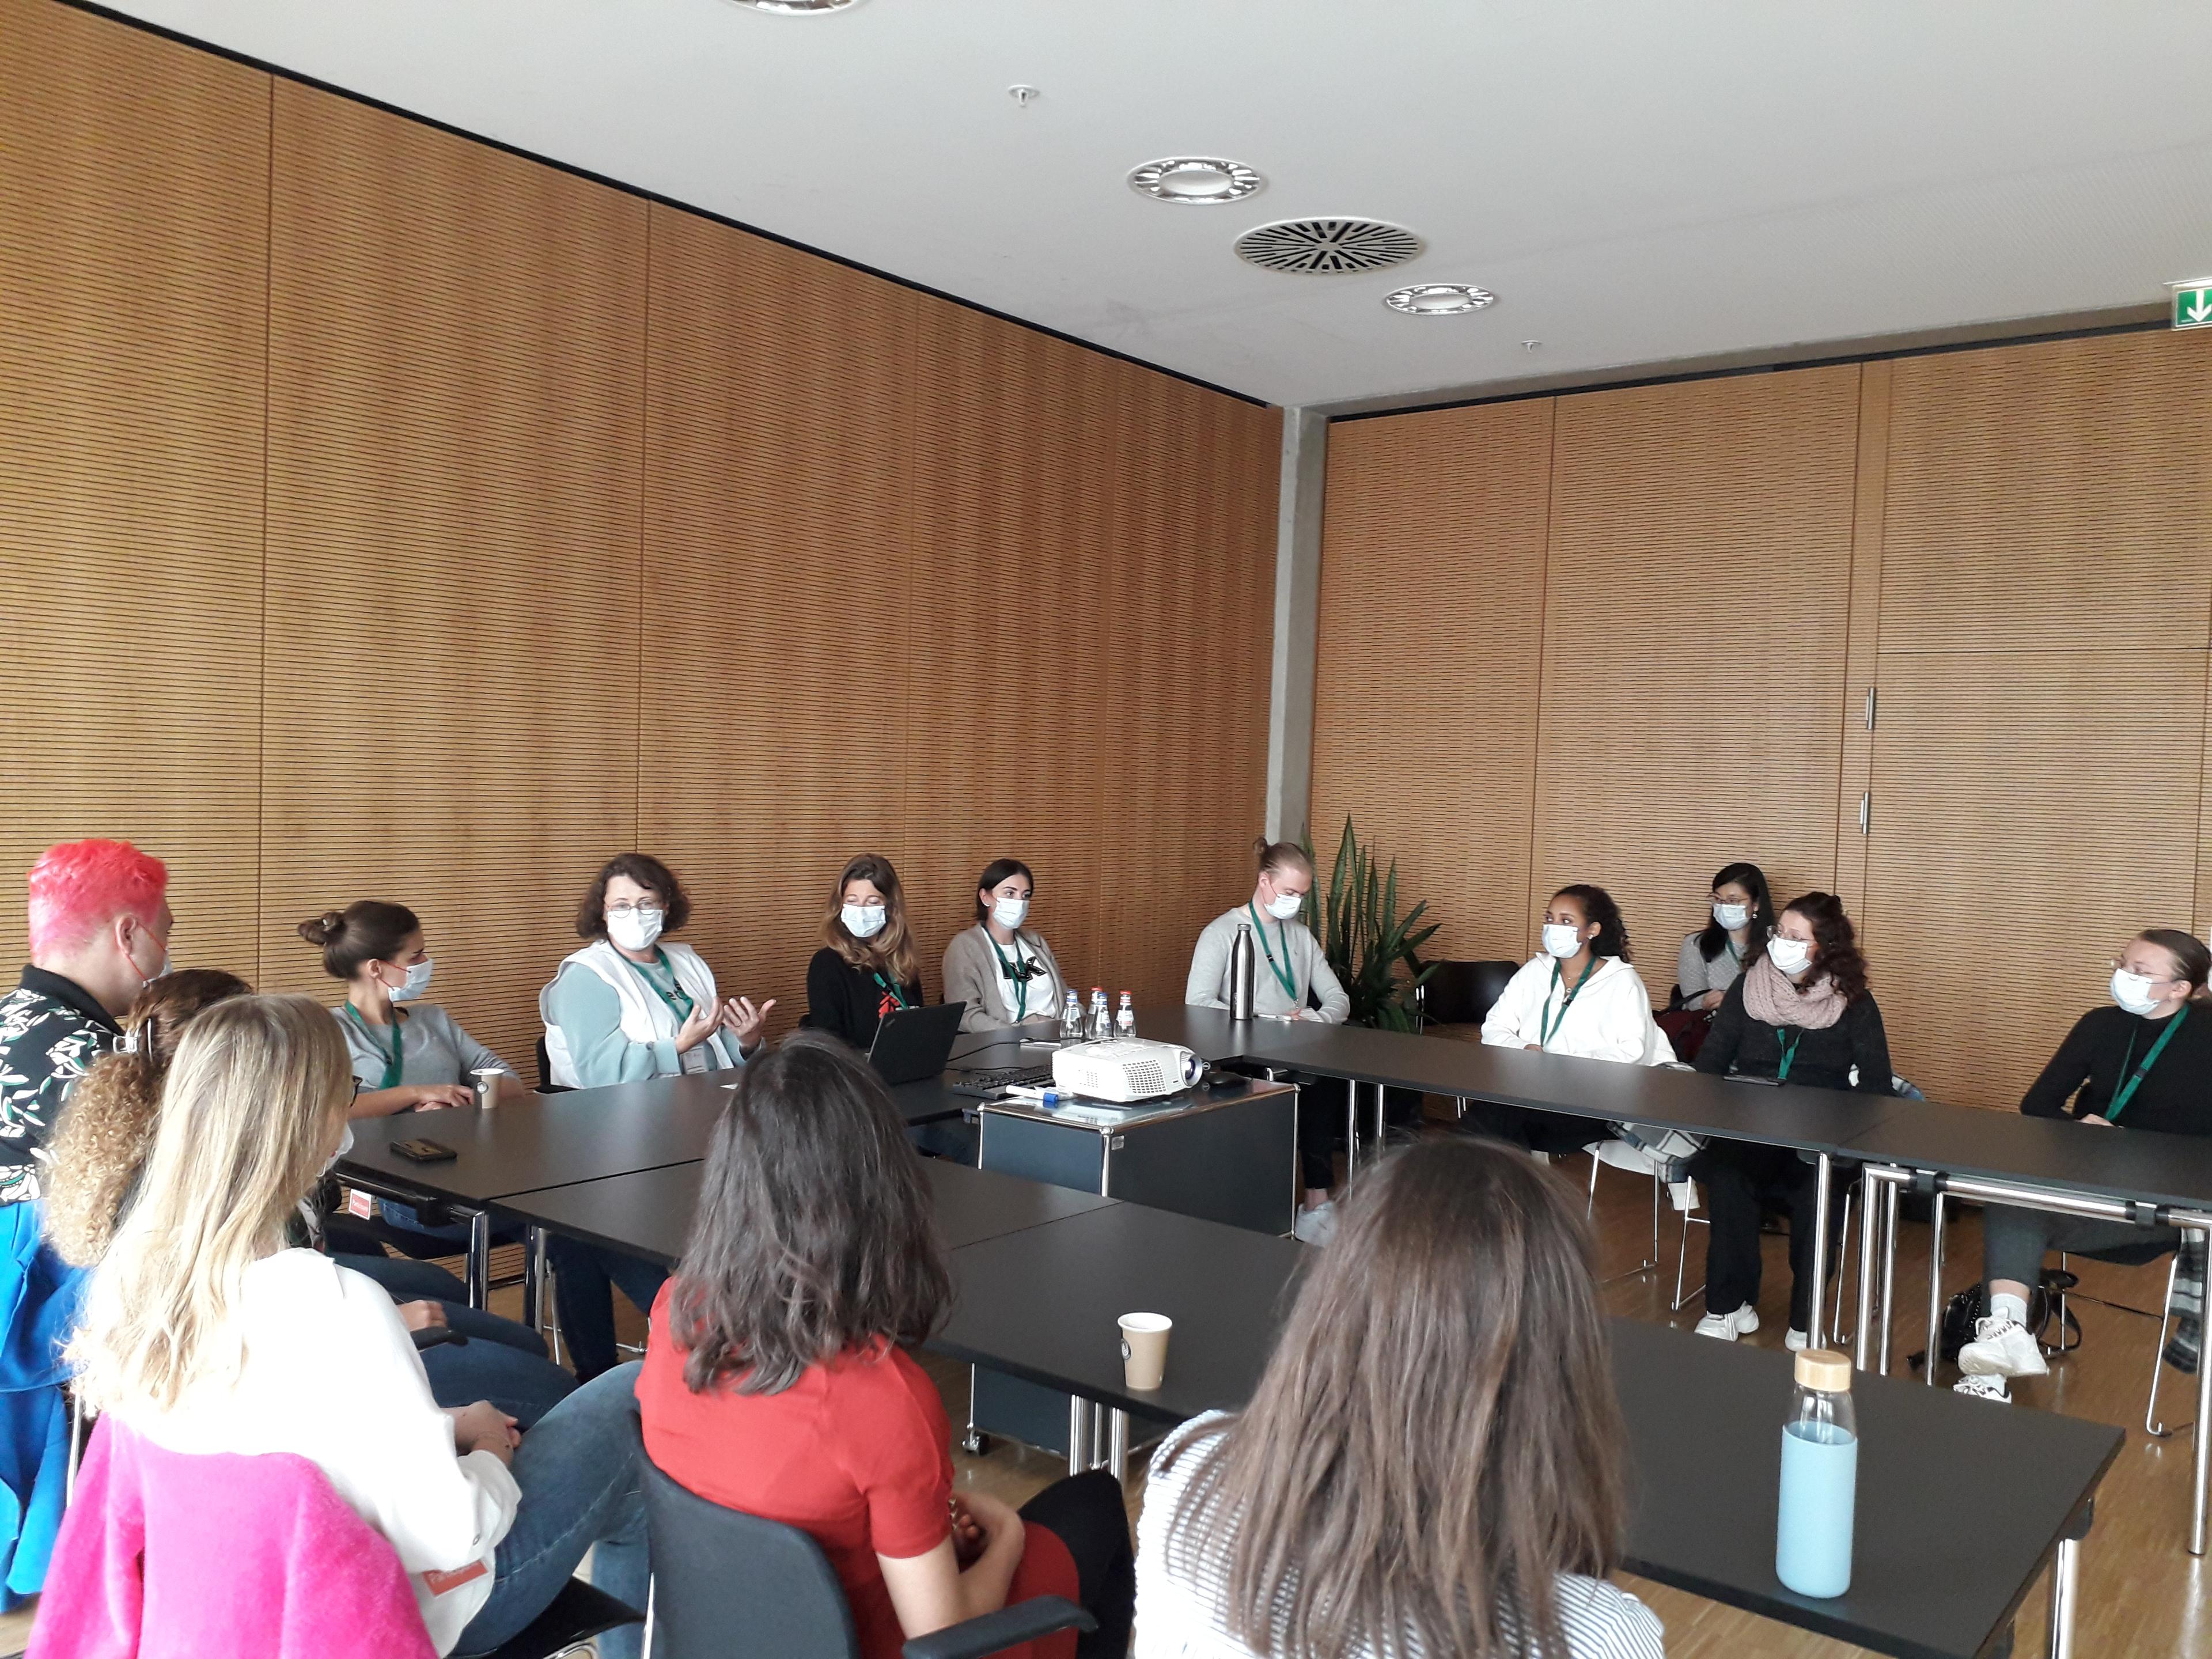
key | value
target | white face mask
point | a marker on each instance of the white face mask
(863, 920)
(1792, 955)
(1284, 906)
(1561, 939)
(636, 930)
(145, 980)
(1732, 916)
(345, 1146)
(2132, 991)
(416, 982)
(1007, 912)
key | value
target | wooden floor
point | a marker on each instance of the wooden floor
(2142, 1592)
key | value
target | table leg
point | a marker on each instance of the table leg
(1351, 1127)
(533, 1280)
(2203, 1459)
(1821, 1171)
(1079, 1434)
(1117, 1444)
(479, 1259)
(1934, 1289)
(2065, 1592)
(1870, 1213)
(1889, 1203)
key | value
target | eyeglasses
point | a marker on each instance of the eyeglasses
(2119, 967)
(625, 908)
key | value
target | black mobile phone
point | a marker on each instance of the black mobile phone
(423, 1150)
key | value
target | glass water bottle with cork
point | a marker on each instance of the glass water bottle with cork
(1819, 1478)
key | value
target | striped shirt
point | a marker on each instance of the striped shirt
(1178, 1619)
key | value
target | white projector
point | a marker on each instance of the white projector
(1125, 1069)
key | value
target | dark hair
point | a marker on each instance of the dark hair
(815, 1233)
(892, 950)
(2189, 954)
(368, 930)
(1597, 905)
(1713, 938)
(1835, 943)
(647, 872)
(996, 871)
(1437, 1438)
(1275, 855)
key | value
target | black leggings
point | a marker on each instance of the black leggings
(1084, 1512)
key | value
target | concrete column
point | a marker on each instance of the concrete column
(1297, 598)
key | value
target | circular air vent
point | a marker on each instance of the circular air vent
(798, 8)
(1198, 180)
(1326, 245)
(1440, 298)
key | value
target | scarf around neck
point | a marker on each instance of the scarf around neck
(1769, 996)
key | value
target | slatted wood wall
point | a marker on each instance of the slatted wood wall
(2014, 545)
(399, 518)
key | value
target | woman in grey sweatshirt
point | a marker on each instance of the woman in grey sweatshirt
(1005, 973)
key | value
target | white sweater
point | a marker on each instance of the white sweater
(1179, 1618)
(1609, 1019)
(330, 1375)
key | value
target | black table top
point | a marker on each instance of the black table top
(648, 1213)
(2141, 1165)
(1043, 1304)
(1928, 1579)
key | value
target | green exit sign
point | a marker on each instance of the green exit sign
(2192, 304)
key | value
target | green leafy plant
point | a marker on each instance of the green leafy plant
(1373, 951)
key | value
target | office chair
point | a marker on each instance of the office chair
(1460, 992)
(721, 1577)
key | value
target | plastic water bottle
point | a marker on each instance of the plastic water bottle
(1819, 1478)
(1071, 1018)
(1102, 1022)
(1124, 1018)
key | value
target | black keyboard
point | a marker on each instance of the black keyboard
(995, 1080)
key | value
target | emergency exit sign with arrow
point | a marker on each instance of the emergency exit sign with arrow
(2192, 304)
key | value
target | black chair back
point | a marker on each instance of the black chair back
(1463, 993)
(546, 1086)
(727, 1584)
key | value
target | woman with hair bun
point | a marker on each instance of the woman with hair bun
(1005, 972)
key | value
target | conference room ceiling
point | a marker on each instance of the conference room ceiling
(1637, 183)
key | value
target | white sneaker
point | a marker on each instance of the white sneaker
(1983, 1388)
(1729, 1326)
(1795, 1340)
(2001, 1347)
(1316, 1226)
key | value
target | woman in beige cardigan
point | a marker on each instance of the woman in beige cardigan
(1006, 974)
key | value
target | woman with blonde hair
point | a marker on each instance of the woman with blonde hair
(206, 1334)
(866, 968)
(1431, 1462)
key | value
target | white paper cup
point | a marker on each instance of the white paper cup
(1145, 1349)
(487, 1085)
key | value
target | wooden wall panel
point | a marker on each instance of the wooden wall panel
(2032, 812)
(453, 631)
(1694, 619)
(779, 578)
(1429, 643)
(134, 177)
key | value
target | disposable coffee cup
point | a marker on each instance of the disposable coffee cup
(1145, 1349)
(487, 1085)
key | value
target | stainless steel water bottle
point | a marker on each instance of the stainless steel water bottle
(1242, 965)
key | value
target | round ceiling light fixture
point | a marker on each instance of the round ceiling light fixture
(1196, 180)
(1440, 298)
(1324, 247)
(799, 8)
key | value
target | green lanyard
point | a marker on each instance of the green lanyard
(2126, 1091)
(1551, 1022)
(394, 1061)
(897, 995)
(1788, 1044)
(1018, 980)
(677, 999)
(1284, 977)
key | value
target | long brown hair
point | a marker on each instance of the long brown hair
(1835, 943)
(368, 930)
(109, 1127)
(815, 1233)
(1437, 1438)
(890, 951)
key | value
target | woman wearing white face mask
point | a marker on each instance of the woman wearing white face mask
(1801, 1014)
(866, 968)
(634, 1004)
(2144, 1063)
(1713, 956)
(410, 1058)
(1004, 972)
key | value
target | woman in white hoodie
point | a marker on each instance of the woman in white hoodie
(1577, 996)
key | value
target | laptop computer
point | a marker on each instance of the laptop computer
(913, 1043)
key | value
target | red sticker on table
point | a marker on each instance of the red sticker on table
(361, 1204)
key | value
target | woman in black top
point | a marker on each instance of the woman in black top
(1800, 1014)
(2145, 1063)
(867, 969)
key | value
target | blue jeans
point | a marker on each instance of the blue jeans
(578, 1471)
(503, 1361)
(583, 1276)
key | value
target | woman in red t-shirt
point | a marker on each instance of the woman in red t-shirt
(775, 1380)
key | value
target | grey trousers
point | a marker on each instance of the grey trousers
(2014, 1242)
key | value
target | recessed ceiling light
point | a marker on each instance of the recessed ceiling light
(1197, 180)
(1440, 298)
(798, 8)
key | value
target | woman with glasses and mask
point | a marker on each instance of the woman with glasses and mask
(634, 1004)
(866, 968)
(1006, 975)
(1714, 955)
(2143, 1063)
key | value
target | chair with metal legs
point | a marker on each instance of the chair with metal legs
(1590, 1213)
(1841, 1256)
